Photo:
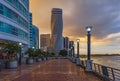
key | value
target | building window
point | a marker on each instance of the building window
(19, 6)
(6, 28)
(12, 15)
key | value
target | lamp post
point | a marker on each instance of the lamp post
(33, 47)
(69, 53)
(89, 61)
(20, 57)
(73, 51)
(78, 40)
(73, 54)
(78, 59)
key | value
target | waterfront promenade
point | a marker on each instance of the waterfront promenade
(51, 70)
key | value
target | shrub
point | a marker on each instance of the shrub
(63, 53)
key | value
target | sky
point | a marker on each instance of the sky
(103, 15)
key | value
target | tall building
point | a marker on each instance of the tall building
(14, 21)
(66, 43)
(45, 42)
(71, 43)
(56, 30)
(30, 30)
(34, 34)
(34, 37)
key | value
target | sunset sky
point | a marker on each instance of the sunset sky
(103, 15)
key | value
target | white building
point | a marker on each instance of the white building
(14, 21)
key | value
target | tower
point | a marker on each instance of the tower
(56, 30)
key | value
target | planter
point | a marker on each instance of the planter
(44, 58)
(12, 65)
(38, 60)
(30, 61)
(49, 58)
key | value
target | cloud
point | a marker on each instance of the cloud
(103, 15)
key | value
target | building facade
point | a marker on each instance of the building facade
(14, 21)
(45, 42)
(56, 30)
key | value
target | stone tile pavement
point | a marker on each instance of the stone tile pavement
(52, 70)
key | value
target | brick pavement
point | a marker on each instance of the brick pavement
(57, 70)
(10, 74)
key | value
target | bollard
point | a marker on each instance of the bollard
(0, 66)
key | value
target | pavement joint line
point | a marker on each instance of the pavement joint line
(54, 70)
(9, 77)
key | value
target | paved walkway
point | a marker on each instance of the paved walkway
(52, 70)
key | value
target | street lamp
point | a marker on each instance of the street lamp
(70, 52)
(33, 47)
(20, 57)
(89, 61)
(78, 40)
(88, 29)
(78, 59)
(73, 52)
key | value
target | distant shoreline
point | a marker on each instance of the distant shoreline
(83, 56)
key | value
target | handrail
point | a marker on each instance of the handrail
(110, 73)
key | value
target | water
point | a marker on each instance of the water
(111, 61)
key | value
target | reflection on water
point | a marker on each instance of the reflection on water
(112, 61)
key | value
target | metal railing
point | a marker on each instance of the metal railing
(107, 72)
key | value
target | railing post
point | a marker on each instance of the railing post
(113, 74)
(105, 71)
(98, 68)
(95, 67)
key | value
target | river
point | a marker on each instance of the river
(112, 61)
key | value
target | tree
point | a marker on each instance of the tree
(52, 54)
(38, 53)
(31, 52)
(11, 49)
(63, 53)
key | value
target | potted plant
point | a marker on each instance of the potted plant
(48, 55)
(37, 54)
(30, 59)
(11, 49)
(63, 53)
(52, 55)
(44, 54)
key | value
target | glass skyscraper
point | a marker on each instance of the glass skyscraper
(14, 21)
(56, 30)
